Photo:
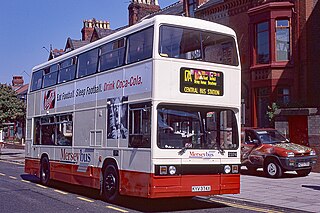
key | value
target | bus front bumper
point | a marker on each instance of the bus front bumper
(194, 185)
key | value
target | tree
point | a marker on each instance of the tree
(11, 108)
(271, 112)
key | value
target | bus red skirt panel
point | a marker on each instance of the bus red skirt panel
(143, 184)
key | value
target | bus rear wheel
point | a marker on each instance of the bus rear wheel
(44, 171)
(110, 184)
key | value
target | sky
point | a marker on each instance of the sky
(28, 28)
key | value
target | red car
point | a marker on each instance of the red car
(270, 150)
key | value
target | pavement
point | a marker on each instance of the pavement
(290, 191)
(13, 153)
(293, 192)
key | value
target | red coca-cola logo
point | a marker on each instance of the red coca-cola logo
(49, 99)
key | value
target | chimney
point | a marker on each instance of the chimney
(186, 5)
(17, 81)
(141, 8)
(89, 25)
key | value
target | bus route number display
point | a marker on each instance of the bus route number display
(203, 82)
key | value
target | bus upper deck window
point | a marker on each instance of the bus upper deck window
(140, 45)
(50, 75)
(88, 63)
(36, 82)
(112, 55)
(67, 70)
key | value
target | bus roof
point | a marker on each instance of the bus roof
(158, 19)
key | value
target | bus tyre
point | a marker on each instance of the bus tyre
(44, 171)
(304, 172)
(272, 169)
(110, 190)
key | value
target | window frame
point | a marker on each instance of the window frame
(120, 51)
(53, 121)
(257, 33)
(93, 69)
(221, 41)
(141, 139)
(39, 80)
(71, 66)
(145, 55)
(52, 70)
(288, 27)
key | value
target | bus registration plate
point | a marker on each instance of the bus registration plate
(201, 188)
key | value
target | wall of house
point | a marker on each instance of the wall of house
(314, 136)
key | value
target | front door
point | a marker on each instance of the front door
(298, 129)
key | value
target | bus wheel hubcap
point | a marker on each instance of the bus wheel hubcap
(110, 183)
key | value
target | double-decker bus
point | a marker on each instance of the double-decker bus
(152, 111)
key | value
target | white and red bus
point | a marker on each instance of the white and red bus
(152, 111)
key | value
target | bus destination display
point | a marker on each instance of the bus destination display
(201, 82)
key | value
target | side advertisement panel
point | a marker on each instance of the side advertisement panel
(109, 85)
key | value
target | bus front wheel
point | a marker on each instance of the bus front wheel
(44, 171)
(110, 183)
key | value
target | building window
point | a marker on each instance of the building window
(283, 96)
(282, 40)
(262, 45)
(192, 5)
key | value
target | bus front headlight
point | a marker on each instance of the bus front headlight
(172, 170)
(227, 169)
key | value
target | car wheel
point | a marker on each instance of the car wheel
(110, 190)
(304, 172)
(272, 169)
(44, 171)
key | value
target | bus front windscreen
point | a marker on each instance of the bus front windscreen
(196, 128)
(192, 44)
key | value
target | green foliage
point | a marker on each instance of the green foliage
(271, 110)
(11, 108)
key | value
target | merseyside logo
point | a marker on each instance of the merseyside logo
(82, 158)
(208, 154)
(49, 99)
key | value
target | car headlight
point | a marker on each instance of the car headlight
(313, 152)
(290, 154)
(172, 170)
(227, 169)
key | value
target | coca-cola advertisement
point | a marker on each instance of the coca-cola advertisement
(49, 99)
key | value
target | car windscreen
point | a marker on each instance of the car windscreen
(270, 136)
